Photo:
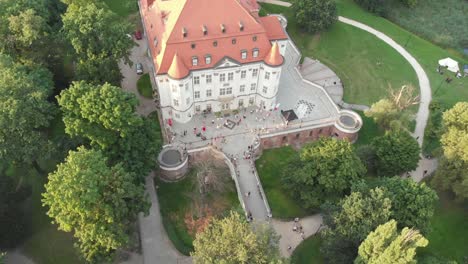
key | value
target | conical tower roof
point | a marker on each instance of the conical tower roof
(274, 58)
(177, 69)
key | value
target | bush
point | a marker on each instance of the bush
(315, 15)
(374, 6)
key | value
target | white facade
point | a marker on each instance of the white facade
(225, 87)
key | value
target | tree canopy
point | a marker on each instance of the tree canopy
(351, 220)
(25, 111)
(383, 112)
(385, 245)
(396, 152)
(315, 15)
(95, 201)
(325, 168)
(106, 115)
(99, 40)
(233, 240)
(452, 173)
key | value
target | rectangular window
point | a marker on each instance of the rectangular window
(196, 80)
(208, 78)
(186, 87)
(174, 88)
(197, 94)
(194, 61)
(244, 54)
(251, 100)
(254, 72)
(252, 87)
(243, 74)
(230, 76)
(222, 91)
(197, 108)
(207, 59)
(267, 76)
(208, 107)
(229, 90)
(242, 88)
(222, 77)
(255, 53)
(208, 93)
(187, 101)
(265, 89)
(241, 102)
(176, 102)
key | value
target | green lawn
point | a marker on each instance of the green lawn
(449, 235)
(144, 86)
(368, 131)
(175, 203)
(269, 167)
(308, 252)
(366, 65)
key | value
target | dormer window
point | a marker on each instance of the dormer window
(205, 30)
(155, 41)
(207, 59)
(241, 26)
(254, 38)
(184, 32)
(223, 28)
(215, 43)
(244, 54)
(255, 53)
(194, 60)
(234, 41)
(193, 45)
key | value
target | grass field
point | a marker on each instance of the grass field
(366, 65)
(442, 22)
(175, 201)
(308, 252)
(144, 86)
(269, 167)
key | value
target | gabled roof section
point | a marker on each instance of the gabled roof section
(273, 28)
(274, 57)
(178, 70)
(227, 62)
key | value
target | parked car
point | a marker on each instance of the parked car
(138, 35)
(139, 68)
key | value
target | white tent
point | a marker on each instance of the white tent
(451, 64)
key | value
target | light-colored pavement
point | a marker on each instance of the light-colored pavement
(290, 238)
(16, 257)
(130, 77)
(157, 248)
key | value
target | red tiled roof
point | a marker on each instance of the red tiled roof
(274, 57)
(166, 20)
(177, 70)
(273, 28)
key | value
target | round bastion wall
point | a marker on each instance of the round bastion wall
(173, 163)
(348, 125)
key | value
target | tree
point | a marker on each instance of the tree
(413, 203)
(396, 152)
(409, 3)
(324, 169)
(233, 240)
(105, 115)
(95, 201)
(315, 15)
(404, 97)
(25, 111)
(99, 40)
(386, 246)
(383, 112)
(350, 221)
(452, 173)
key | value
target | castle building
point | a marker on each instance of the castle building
(212, 55)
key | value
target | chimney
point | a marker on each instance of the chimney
(184, 32)
(241, 26)
(205, 30)
(223, 28)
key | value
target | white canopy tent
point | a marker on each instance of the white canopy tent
(452, 65)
